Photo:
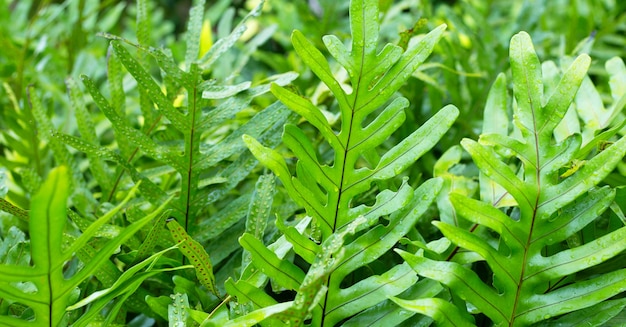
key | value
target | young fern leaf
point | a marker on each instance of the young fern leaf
(330, 191)
(527, 257)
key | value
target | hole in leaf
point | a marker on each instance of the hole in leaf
(20, 311)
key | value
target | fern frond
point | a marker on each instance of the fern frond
(526, 259)
(330, 191)
(184, 143)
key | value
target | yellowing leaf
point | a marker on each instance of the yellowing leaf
(206, 38)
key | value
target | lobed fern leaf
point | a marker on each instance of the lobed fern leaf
(191, 160)
(526, 259)
(21, 139)
(330, 191)
(182, 146)
(53, 290)
(177, 136)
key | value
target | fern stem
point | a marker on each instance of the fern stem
(208, 318)
(191, 151)
(535, 208)
(457, 248)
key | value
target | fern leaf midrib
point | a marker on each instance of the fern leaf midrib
(341, 190)
(50, 286)
(535, 206)
(192, 145)
(350, 126)
(457, 248)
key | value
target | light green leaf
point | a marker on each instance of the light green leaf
(362, 295)
(126, 276)
(440, 310)
(223, 91)
(287, 274)
(526, 82)
(560, 100)
(252, 318)
(332, 183)
(578, 295)
(194, 28)
(259, 210)
(595, 315)
(499, 172)
(535, 277)
(463, 281)
(416, 144)
(177, 311)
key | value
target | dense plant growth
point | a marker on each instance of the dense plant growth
(312, 163)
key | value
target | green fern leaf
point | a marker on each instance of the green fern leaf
(259, 210)
(177, 135)
(14, 248)
(177, 312)
(596, 315)
(525, 259)
(330, 191)
(21, 139)
(48, 217)
(108, 274)
(196, 255)
(194, 28)
(443, 312)
(8, 207)
(87, 130)
(123, 291)
(195, 159)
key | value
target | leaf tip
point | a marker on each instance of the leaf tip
(585, 60)
(453, 110)
(467, 143)
(247, 139)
